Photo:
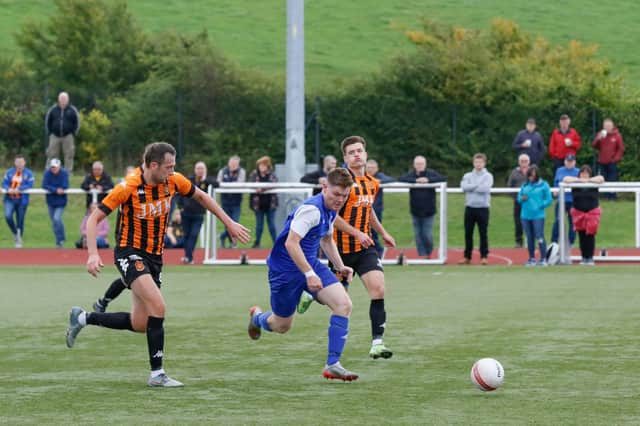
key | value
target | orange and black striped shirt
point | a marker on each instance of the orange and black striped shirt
(357, 212)
(16, 182)
(143, 213)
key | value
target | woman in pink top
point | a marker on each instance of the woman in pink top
(103, 231)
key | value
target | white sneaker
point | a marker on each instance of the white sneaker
(18, 239)
(163, 381)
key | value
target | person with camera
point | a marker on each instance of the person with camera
(610, 147)
(565, 140)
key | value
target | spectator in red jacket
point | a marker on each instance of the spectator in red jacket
(610, 147)
(564, 140)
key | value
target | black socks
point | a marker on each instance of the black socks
(378, 318)
(155, 342)
(115, 320)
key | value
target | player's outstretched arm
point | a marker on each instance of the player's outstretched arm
(235, 230)
(364, 239)
(329, 248)
(297, 255)
(94, 263)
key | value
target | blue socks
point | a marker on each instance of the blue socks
(261, 320)
(338, 331)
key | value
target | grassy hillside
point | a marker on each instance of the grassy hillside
(349, 39)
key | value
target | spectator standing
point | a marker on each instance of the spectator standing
(517, 177)
(564, 141)
(15, 182)
(610, 147)
(529, 141)
(102, 237)
(535, 197)
(97, 180)
(62, 123)
(586, 212)
(264, 204)
(569, 169)
(231, 203)
(319, 177)
(476, 186)
(192, 212)
(422, 203)
(373, 169)
(56, 181)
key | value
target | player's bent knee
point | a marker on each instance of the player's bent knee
(343, 307)
(376, 292)
(157, 309)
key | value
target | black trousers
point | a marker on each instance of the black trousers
(610, 174)
(473, 216)
(517, 207)
(587, 244)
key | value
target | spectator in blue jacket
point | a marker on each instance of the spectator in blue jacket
(373, 169)
(569, 169)
(535, 197)
(529, 141)
(56, 181)
(422, 203)
(17, 180)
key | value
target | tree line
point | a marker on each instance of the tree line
(458, 92)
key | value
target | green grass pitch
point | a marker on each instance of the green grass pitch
(567, 337)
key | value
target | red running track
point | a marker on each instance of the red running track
(172, 256)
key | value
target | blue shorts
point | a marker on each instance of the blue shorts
(287, 287)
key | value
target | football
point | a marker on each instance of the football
(487, 374)
(553, 254)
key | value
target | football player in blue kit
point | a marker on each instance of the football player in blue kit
(294, 266)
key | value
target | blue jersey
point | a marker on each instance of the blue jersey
(561, 173)
(279, 258)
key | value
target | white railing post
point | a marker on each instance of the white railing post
(562, 239)
(637, 216)
(444, 237)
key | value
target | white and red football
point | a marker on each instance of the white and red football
(487, 374)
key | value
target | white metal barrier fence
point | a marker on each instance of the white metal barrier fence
(210, 244)
(565, 255)
(210, 231)
(71, 191)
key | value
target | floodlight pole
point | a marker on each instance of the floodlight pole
(294, 150)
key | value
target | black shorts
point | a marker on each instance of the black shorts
(363, 261)
(133, 263)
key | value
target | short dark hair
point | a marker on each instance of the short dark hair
(19, 156)
(533, 170)
(340, 177)
(155, 152)
(585, 168)
(350, 140)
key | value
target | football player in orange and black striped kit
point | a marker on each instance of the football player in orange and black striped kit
(144, 202)
(355, 245)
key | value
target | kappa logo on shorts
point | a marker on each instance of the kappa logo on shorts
(124, 265)
(139, 265)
